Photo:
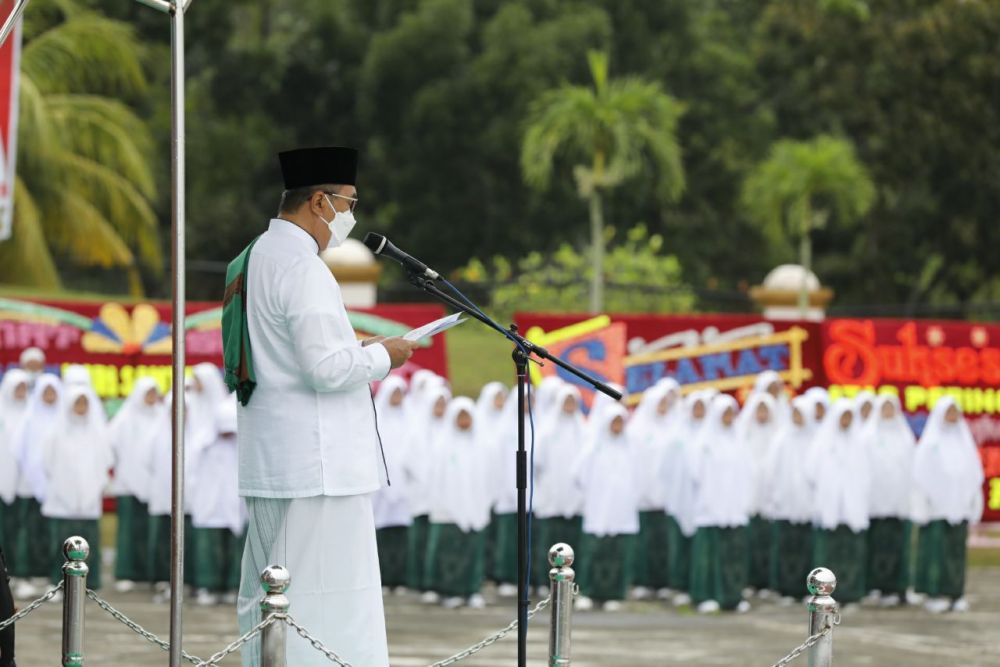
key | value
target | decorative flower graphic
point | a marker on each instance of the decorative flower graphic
(115, 331)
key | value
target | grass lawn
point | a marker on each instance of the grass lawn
(477, 355)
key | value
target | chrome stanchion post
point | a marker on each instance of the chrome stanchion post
(823, 612)
(75, 572)
(275, 580)
(562, 581)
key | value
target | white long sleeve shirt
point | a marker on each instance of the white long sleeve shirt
(309, 428)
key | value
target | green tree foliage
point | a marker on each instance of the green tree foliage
(606, 130)
(84, 176)
(557, 282)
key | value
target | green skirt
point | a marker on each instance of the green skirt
(216, 562)
(416, 557)
(9, 522)
(941, 559)
(505, 549)
(678, 556)
(158, 548)
(88, 529)
(33, 547)
(719, 565)
(845, 553)
(606, 566)
(544, 534)
(888, 556)
(132, 541)
(652, 558)
(759, 536)
(392, 554)
(791, 557)
(455, 560)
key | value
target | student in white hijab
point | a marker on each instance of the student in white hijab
(864, 404)
(77, 375)
(790, 501)
(460, 511)
(504, 482)
(77, 460)
(14, 391)
(757, 428)
(947, 484)
(558, 500)
(489, 418)
(891, 447)
(840, 511)
(133, 430)
(606, 475)
(650, 430)
(770, 382)
(32, 361)
(220, 514)
(33, 550)
(427, 428)
(391, 504)
(680, 484)
(724, 498)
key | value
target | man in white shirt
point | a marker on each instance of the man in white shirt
(309, 450)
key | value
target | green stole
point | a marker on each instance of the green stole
(240, 376)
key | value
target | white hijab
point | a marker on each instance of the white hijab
(843, 481)
(390, 504)
(560, 446)
(891, 445)
(724, 473)
(216, 501)
(489, 418)
(132, 431)
(421, 450)
(460, 476)
(650, 431)
(682, 461)
(758, 441)
(12, 414)
(767, 380)
(607, 477)
(39, 421)
(862, 399)
(948, 472)
(77, 458)
(791, 496)
(504, 446)
(202, 405)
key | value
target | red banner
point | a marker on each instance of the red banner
(119, 343)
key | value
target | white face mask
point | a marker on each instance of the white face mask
(341, 225)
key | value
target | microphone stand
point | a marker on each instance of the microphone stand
(523, 351)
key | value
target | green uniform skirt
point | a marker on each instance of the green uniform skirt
(88, 529)
(678, 556)
(719, 565)
(940, 570)
(158, 548)
(759, 536)
(888, 556)
(455, 560)
(392, 554)
(845, 553)
(791, 557)
(132, 542)
(9, 522)
(544, 534)
(505, 549)
(416, 556)
(652, 558)
(33, 547)
(217, 556)
(606, 566)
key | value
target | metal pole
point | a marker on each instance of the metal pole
(178, 304)
(562, 581)
(275, 580)
(75, 572)
(823, 612)
(8, 25)
(521, 364)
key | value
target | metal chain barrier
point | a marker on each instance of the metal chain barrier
(31, 607)
(236, 645)
(138, 629)
(316, 644)
(807, 644)
(492, 639)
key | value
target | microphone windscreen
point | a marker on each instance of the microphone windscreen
(374, 242)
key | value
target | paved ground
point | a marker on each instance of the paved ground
(645, 634)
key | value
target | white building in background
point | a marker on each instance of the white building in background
(357, 271)
(778, 296)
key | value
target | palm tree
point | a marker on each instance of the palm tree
(84, 176)
(796, 188)
(609, 130)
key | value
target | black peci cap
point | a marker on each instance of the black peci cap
(334, 165)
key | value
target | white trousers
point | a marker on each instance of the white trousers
(328, 545)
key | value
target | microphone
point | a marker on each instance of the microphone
(383, 247)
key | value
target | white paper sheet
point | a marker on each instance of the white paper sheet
(434, 328)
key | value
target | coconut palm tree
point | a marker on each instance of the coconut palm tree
(799, 185)
(609, 132)
(84, 177)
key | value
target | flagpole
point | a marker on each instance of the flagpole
(15, 14)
